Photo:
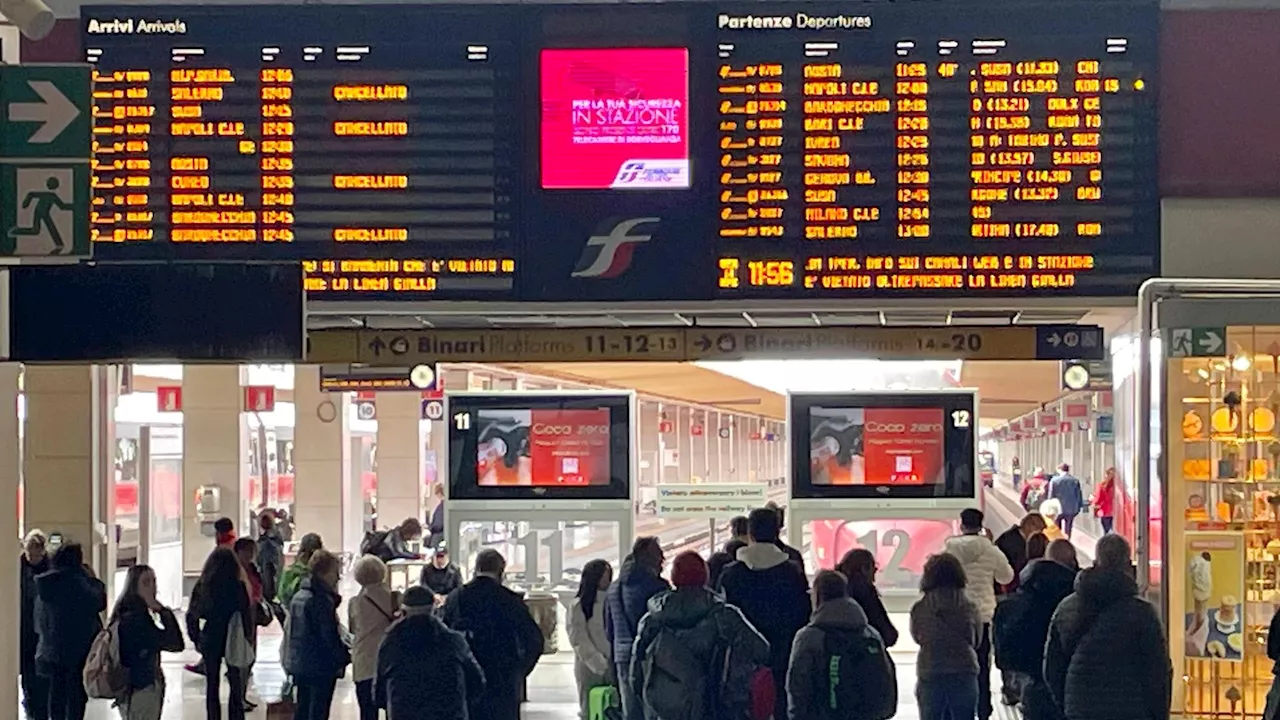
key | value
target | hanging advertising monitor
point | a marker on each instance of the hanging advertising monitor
(883, 445)
(540, 446)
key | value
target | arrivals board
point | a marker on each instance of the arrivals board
(674, 151)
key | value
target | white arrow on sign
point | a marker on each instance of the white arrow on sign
(55, 110)
(1211, 342)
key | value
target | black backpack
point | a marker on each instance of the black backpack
(860, 682)
(676, 685)
(375, 543)
(1013, 637)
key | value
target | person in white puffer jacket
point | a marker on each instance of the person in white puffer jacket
(984, 567)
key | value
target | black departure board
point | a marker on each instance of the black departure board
(673, 151)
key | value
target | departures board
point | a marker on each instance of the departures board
(673, 151)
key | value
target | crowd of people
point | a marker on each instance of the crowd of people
(742, 636)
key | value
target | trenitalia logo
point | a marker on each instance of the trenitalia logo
(609, 255)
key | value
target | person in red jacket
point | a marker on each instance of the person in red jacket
(1035, 491)
(1104, 500)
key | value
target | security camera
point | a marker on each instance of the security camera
(33, 18)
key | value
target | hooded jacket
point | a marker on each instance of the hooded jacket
(806, 698)
(1021, 623)
(426, 671)
(984, 567)
(316, 649)
(707, 627)
(67, 613)
(1106, 657)
(946, 626)
(773, 594)
(626, 602)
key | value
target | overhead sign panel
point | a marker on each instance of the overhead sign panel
(710, 500)
(399, 348)
(668, 151)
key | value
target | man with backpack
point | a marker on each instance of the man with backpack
(626, 601)
(695, 656)
(500, 632)
(772, 593)
(393, 544)
(840, 668)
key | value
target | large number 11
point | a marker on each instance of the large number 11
(531, 541)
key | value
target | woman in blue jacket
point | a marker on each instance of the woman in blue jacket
(317, 654)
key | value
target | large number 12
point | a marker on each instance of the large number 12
(897, 539)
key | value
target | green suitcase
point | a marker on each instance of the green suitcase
(600, 700)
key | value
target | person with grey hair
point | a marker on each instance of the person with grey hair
(369, 614)
(1106, 657)
(425, 670)
(501, 633)
(33, 562)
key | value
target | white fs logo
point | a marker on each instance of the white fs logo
(609, 255)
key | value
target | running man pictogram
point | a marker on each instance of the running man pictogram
(41, 217)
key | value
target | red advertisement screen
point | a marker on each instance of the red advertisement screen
(615, 118)
(543, 447)
(876, 446)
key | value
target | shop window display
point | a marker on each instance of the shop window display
(1223, 454)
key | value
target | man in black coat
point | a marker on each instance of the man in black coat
(1013, 543)
(501, 633)
(772, 592)
(425, 670)
(1106, 657)
(1021, 625)
(33, 563)
(626, 601)
(441, 576)
(68, 616)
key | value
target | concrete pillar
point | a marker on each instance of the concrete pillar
(215, 453)
(697, 447)
(322, 475)
(711, 431)
(649, 444)
(400, 446)
(68, 440)
(10, 475)
(682, 419)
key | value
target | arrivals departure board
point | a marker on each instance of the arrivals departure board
(674, 151)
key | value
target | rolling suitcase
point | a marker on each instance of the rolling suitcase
(603, 703)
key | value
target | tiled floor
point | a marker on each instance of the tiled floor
(551, 690)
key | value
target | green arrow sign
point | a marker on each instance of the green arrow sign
(1197, 342)
(48, 111)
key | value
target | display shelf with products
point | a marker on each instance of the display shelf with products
(1223, 460)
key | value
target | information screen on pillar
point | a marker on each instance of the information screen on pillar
(883, 445)
(540, 446)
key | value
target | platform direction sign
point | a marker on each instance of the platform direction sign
(411, 347)
(46, 134)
